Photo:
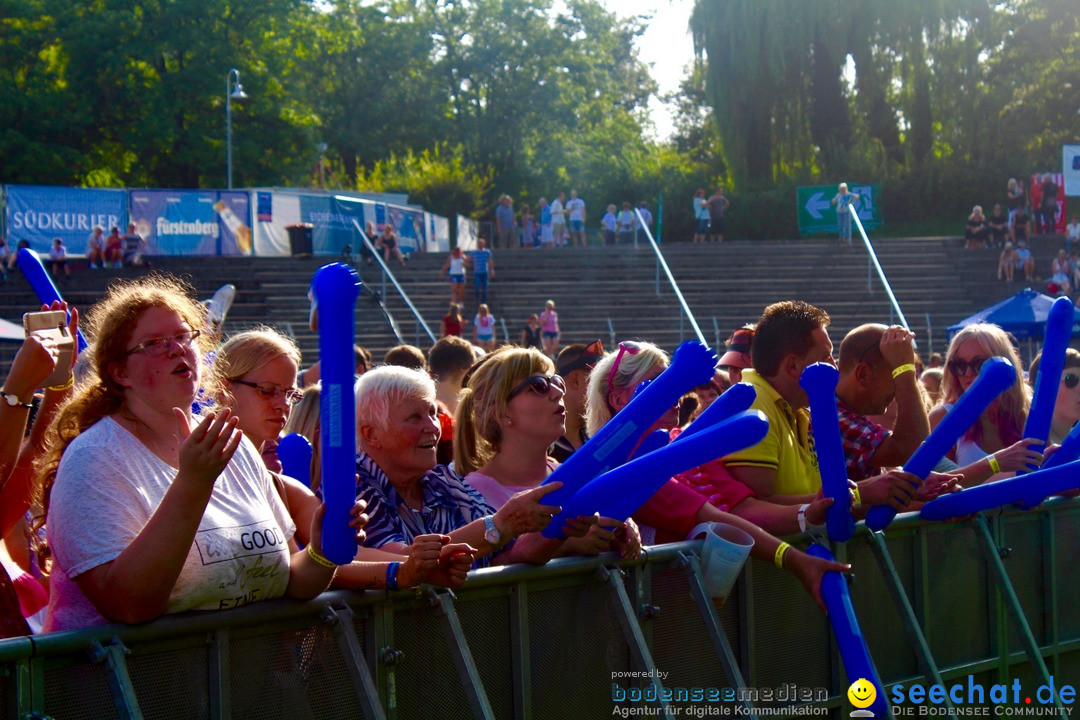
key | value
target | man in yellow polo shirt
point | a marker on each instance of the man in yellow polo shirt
(783, 468)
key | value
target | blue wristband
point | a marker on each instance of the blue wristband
(391, 576)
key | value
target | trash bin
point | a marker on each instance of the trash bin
(299, 238)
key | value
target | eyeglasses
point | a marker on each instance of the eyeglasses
(159, 346)
(1071, 380)
(960, 367)
(623, 349)
(270, 390)
(539, 384)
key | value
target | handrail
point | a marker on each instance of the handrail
(611, 332)
(670, 277)
(386, 271)
(880, 271)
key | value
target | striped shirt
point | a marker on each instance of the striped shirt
(449, 503)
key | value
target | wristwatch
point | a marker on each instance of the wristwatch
(13, 400)
(491, 533)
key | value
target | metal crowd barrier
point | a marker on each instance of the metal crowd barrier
(563, 640)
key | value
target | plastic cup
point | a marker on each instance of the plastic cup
(722, 556)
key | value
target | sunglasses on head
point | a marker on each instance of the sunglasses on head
(1071, 380)
(539, 384)
(960, 367)
(624, 348)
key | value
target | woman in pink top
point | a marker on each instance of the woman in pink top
(549, 329)
(509, 413)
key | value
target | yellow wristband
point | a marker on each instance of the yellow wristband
(65, 386)
(314, 555)
(898, 371)
(858, 497)
(778, 558)
(995, 466)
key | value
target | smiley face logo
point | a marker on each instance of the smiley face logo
(862, 693)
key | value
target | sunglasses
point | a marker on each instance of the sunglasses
(269, 390)
(1071, 380)
(960, 367)
(539, 384)
(623, 349)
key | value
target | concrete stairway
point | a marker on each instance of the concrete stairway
(598, 290)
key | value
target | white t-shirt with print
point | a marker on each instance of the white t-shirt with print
(576, 206)
(107, 487)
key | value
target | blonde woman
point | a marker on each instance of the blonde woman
(510, 412)
(993, 446)
(484, 328)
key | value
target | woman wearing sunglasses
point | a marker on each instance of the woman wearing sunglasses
(1067, 407)
(149, 509)
(510, 412)
(676, 508)
(993, 445)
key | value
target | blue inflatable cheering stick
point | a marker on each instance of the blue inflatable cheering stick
(996, 376)
(336, 287)
(620, 492)
(734, 400)
(819, 381)
(1005, 492)
(693, 364)
(1069, 450)
(1059, 324)
(34, 272)
(849, 638)
(294, 451)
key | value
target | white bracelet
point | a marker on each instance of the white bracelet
(802, 517)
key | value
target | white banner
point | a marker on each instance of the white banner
(1070, 162)
(467, 232)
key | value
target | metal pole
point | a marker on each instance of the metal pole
(674, 285)
(232, 90)
(228, 127)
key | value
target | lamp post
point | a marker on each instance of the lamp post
(233, 91)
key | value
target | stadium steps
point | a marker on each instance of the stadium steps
(730, 282)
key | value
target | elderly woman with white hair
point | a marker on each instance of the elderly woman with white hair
(408, 494)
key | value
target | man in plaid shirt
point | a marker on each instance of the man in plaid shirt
(877, 363)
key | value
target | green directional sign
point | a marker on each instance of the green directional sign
(817, 214)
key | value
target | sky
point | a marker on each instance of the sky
(666, 46)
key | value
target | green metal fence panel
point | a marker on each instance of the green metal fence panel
(547, 641)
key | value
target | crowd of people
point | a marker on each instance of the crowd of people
(148, 482)
(563, 223)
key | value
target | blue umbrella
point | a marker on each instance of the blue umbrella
(1024, 315)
